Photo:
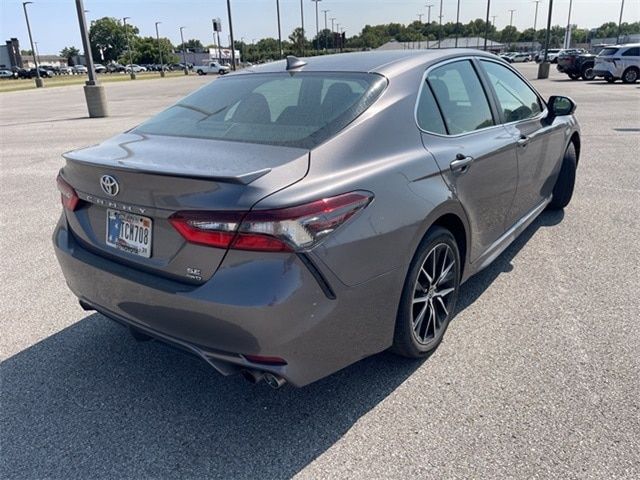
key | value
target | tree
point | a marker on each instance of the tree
(298, 39)
(108, 38)
(69, 53)
(193, 45)
(145, 50)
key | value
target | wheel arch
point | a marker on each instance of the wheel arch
(575, 139)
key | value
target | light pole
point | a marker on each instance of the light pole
(457, 23)
(325, 28)
(543, 68)
(36, 53)
(184, 53)
(620, 23)
(302, 27)
(132, 74)
(511, 19)
(333, 35)
(428, 21)
(39, 83)
(440, 28)
(217, 28)
(567, 32)
(279, 29)
(486, 25)
(93, 93)
(420, 15)
(160, 50)
(233, 46)
(535, 23)
(317, 27)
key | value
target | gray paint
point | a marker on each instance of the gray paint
(270, 303)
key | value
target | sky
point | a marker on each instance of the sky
(54, 23)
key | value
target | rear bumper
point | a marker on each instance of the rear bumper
(270, 305)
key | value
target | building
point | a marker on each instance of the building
(48, 60)
(10, 54)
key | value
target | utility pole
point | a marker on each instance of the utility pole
(535, 23)
(620, 23)
(420, 15)
(543, 68)
(457, 23)
(317, 27)
(428, 21)
(132, 74)
(93, 93)
(486, 25)
(325, 28)
(160, 50)
(511, 19)
(279, 29)
(233, 46)
(333, 35)
(184, 53)
(39, 83)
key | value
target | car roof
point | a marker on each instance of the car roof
(388, 63)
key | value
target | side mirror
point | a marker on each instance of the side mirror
(559, 106)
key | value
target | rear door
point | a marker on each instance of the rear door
(538, 143)
(475, 154)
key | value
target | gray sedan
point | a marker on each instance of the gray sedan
(291, 219)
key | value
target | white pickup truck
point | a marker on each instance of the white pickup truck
(212, 67)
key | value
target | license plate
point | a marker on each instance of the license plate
(129, 233)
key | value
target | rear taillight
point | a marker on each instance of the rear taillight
(279, 230)
(68, 195)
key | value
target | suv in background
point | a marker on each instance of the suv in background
(552, 55)
(577, 64)
(618, 62)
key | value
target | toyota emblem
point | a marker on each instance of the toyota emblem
(109, 185)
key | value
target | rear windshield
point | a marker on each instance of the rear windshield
(298, 110)
(607, 52)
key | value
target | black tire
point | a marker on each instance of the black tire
(200, 72)
(221, 72)
(588, 73)
(574, 76)
(563, 189)
(405, 342)
(610, 79)
(630, 75)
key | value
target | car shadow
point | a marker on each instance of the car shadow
(91, 402)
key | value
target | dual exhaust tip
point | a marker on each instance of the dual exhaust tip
(255, 376)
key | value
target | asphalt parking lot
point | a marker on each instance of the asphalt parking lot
(537, 377)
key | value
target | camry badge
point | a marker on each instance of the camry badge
(109, 185)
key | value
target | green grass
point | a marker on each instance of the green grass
(13, 85)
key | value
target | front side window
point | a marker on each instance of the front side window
(299, 110)
(516, 99)
(461, 98)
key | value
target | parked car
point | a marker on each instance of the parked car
(327, 208)
(99, 68)
(80, 69)
(65, 70)
(7, 74)
(212, 67)
(115, 68)
(577, 65)
(618, 62)
(43, 73)
(552, 55)
(507, 56)
(135, 68)
(22, 72)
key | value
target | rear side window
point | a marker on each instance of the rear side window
(299, 110)
(460, 96)
(517, 100)
(428, 113)
(632, 52)
(608, 52)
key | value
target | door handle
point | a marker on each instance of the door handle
(523, 141)
(460, 164)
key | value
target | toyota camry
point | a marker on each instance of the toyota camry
(293, 218)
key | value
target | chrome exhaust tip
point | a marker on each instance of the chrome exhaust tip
(274, 381)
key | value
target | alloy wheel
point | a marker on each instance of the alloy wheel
(433, 294)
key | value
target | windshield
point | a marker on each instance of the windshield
(298, 110)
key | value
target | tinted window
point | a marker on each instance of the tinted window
(427, 114)
(632, 52)
(299, 110)
(461, 97)
(516, 99)
(607, 52)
